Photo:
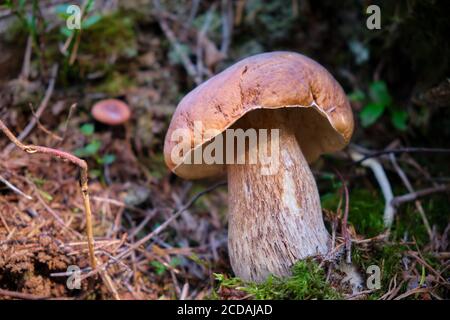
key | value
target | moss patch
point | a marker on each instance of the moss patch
(365, 210)
(307, 282)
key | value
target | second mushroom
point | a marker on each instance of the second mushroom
(275, 216)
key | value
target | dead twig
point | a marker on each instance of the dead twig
(417, 194)
(409, 187)
(66, 124)
(227, 25)
(21, 295)
(376, 154)
(344, 222)
(25, 73)
(42, 127)
(15, 189)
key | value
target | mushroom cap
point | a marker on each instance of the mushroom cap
(271, 80)
(111, 111)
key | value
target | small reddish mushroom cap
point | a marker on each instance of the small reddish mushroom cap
(111, 111)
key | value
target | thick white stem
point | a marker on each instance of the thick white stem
(274, 220)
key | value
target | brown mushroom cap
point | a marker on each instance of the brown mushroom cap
(111, 111)
(265, 81)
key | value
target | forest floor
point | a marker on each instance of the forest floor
(135, 197)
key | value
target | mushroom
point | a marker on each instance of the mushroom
(111, 112)
(275, 218)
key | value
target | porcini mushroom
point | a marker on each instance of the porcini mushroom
(275, 219)
(111, 112)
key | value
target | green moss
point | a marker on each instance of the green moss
(308, 281)
(156, 166)
(115, 84)
(365, 210)
(387, 257)
(409, 221)
(113, 34)
(103, 48)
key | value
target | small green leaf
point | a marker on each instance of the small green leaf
(46, 195)
(379, 93)
(90, 21)
(175, 261)
(399, 119)
(87, 129)
(90, 5)
(370, 113)
(66, 32)
(107, 159)
(88, 150)
(94, 173)
(93, 147)
(357, 95)
(218, 277)
(159, 267)
(174, 53)
(61, 10)
(80, 153)
(422, 277)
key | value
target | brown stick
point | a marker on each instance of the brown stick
(83, 180)
(402, 150)
(410, 188)
(344, 222)
(420, 193)
(21, 295)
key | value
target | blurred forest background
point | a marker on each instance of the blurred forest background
(150, 54)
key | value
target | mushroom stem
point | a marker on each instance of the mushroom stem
(274, 220)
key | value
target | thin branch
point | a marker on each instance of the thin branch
(192, 14)
(417, 194)
(227, 25)
(66, 124)
(201, 38)
(409, 187)
(21, 295)
(83, 180)
(25, 73)
(344, 222)
(15, 189)
(376, 154)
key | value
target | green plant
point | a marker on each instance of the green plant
(308, 281)
(92, 150)
(161, 268)
(32, 22)
(377, 102)
(87, 21)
